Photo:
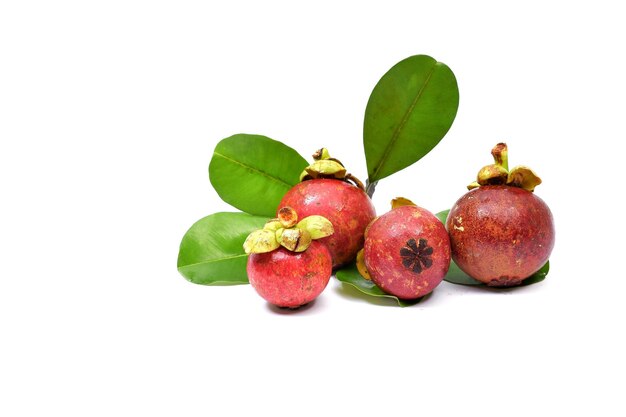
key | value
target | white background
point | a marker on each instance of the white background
(109, 112)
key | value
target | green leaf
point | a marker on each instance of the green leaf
(443, 216)
(537, 276)
(253, 172)
(409, 111)
(456, 276)
(211, 252)
(351, 276)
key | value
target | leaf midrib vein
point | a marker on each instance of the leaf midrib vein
(403, 122)
(252, 169)
(212, 260)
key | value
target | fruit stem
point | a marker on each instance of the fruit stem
(321, 154)
(500, 155)
(355, 180)
(370, 187)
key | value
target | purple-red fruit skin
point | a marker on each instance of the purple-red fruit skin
(347, 207)
(407, 252)
(290, 279)
(500, 234)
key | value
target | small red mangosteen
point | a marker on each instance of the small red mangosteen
(501, 232)
(327, 190)
(407, 251)
(287, 266)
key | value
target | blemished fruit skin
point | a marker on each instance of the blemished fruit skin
(347, 207)
(290, 279)
(500, 234)
(407, 252)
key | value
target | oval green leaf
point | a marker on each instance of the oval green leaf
(456, 276)
(211, 252)
(409, 111)
(253, 172)
(351, 276)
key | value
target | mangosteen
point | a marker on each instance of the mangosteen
(407, 251)
(500, 231)
(327, 190)
(287, 266)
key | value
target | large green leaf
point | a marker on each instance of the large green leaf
(350, 275)
(253, 172)
(409, 111)
(211, 252)
(456, 276)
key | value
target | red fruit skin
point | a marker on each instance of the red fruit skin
(500, 234)
(290, 279)
(390, 258)
(347, 207)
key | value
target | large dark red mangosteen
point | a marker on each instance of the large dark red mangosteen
(327, 190)
(500, 232)
(287, 266)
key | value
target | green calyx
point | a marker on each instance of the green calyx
(288, 232)
(324, 166)
(498, 173)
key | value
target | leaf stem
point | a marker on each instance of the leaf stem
(370, 187)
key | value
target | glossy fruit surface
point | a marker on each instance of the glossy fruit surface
(407, 252)
(290, 279)
(347, 207)
(500, 234)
